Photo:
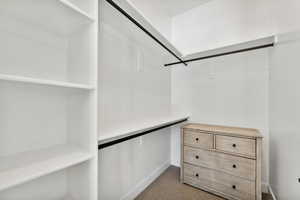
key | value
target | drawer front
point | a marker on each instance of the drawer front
(199, 140)
(236, 145)
(237, 166)
(222, 183)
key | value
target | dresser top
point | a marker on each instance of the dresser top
(224, 130)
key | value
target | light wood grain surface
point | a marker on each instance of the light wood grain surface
(200, 140)
(231, 186)
(223, 160)
(225, 130)
(234, 165)
(236, 145)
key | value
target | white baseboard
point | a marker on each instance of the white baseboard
(272, 193)
(176, 164)
(143, 184)
(265, 187)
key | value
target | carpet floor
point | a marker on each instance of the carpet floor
(168, 187)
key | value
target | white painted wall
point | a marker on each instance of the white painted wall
(230, 90)
(219, 23)
(133, 87)
(159, 18)
(285, 15)
(284, 119)
(125, 169)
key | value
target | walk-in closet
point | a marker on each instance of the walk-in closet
(149, 100)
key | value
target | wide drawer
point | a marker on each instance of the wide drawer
(197, 139)
(238, 166)
(221, 183)
(240, 146)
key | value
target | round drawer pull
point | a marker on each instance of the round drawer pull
(197, 157)
(197, 175)
(197, 139)
(234, 145)
(233, 187)
(234, 166)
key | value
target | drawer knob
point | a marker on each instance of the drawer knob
(197, 139)
(234, 145)
(234, 166)
(197, 157)
(197, 175)
(233, 187)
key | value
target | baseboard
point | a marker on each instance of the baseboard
(142, 185)
(272, 193)
(265, 187)
(176, 164)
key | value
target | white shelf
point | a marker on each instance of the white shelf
(23, 167)
(22, 79)
(234, 47)
(110, 16)
(138, 127)
(55, 15)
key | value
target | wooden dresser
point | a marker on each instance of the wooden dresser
(222, 160)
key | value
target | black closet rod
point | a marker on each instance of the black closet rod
(112, 3)
(111, 143)
(223, 54)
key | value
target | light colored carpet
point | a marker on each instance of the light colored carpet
(168, 187)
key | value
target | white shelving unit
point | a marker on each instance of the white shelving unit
(48, 99)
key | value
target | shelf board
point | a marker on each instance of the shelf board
(22, 79)
(27, 166)
(137, 128)
(54, 15)
(111, 17)
(233, 47)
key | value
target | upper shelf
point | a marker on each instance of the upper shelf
(110, 16)
(59, 16)
(229, 50)
(232, 48)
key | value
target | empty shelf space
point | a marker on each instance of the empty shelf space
(22, 79)
(67, 18)
(23, 167)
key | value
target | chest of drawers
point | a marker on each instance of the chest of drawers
(222, 160)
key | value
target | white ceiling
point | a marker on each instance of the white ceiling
(171, 7)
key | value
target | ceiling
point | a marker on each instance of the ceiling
(170, 7)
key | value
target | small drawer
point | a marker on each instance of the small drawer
(241, 146)
(215, 181)
(198, 140)
(234, 165)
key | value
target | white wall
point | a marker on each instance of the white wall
(133, 87)
(285, 15)
(221, 22)
(218, 23)
(284, 120)
(230, 90)
(161, 20)
(125, 168)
